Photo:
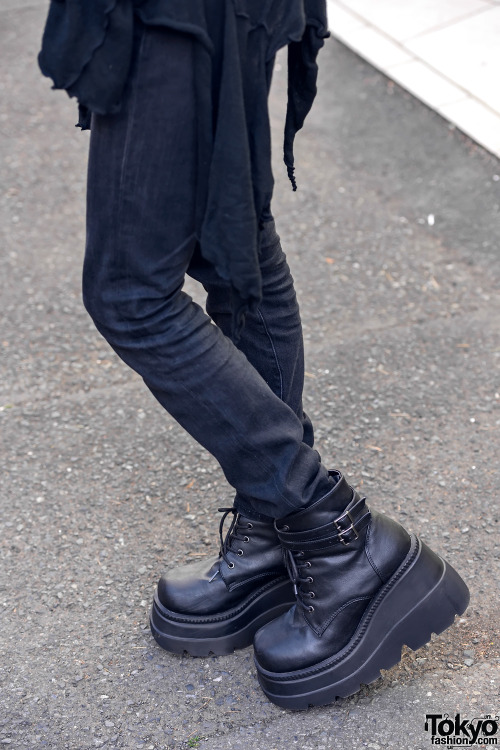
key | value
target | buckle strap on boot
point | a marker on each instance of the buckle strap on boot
(343, 529)
(345, 523)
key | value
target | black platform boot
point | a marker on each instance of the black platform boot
(217, 606)
(364, 588)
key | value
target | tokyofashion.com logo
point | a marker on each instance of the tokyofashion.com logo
(455, 731)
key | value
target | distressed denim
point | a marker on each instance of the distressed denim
(242, 402)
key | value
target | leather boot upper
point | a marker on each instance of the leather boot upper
(250, 557)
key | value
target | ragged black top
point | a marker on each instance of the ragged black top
(87, 47)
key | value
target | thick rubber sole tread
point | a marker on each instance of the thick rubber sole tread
(225, 632)
(422, 597)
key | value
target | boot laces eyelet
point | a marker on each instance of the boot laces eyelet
(310, 579)
(240, 552)
(230, 565)
(307, 564)
(310, 609)
(300, 554)
(249, 525)
(312, 594)
(246, 539)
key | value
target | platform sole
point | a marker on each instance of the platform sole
(421, 598)
(225, 632)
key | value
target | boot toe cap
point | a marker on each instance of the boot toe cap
(274, 644)
(185, 590)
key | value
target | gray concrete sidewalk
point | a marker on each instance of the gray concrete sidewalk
(446, 54)
(393, 240)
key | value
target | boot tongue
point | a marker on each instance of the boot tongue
(323, 511)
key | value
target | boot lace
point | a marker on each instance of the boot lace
(235, 533)
(297, 567)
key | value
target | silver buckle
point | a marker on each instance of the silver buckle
(342, 531)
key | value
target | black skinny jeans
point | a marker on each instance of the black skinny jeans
(242, 403)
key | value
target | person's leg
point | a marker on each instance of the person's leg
(140, 242)
(142, 180)
(194, 605)
(272, 338)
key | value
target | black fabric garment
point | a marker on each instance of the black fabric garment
(87, 48)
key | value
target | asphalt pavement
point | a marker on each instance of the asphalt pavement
(393, 239)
